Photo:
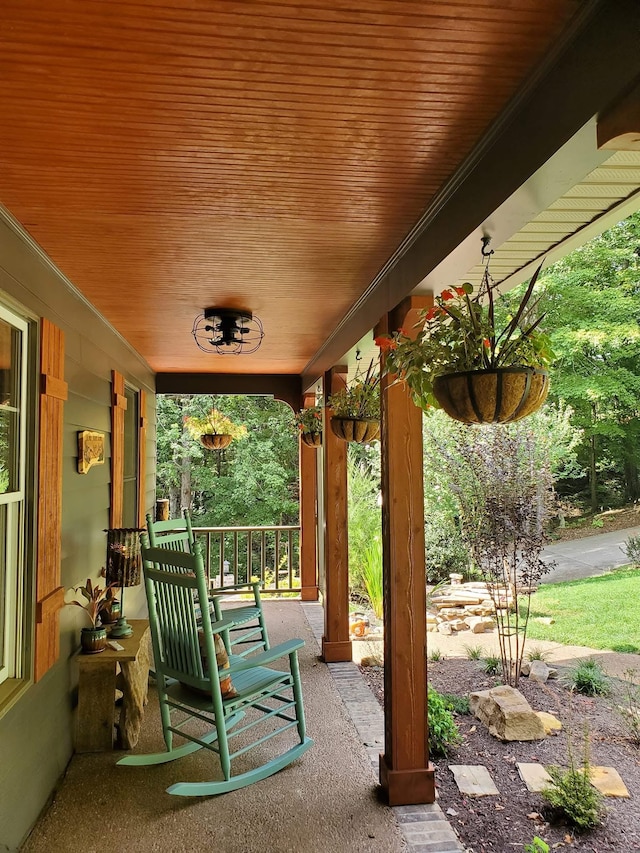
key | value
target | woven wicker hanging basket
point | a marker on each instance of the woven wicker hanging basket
(213, 441)
(311, 439)
(501, 396)
(355, 429)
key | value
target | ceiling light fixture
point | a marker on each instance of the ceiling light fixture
(227, 331)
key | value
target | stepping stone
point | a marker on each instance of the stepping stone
(608, 781)
(534, 776)
(473, 780)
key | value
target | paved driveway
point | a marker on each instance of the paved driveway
(584, 558)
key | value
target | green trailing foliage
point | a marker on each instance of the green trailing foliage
(456, 704)
(443, 732)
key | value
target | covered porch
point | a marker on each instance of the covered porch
(329, 170)
(327, 800)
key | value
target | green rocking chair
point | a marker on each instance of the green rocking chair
(196, 681)
(249, 633)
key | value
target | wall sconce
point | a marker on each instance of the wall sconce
(226, 331)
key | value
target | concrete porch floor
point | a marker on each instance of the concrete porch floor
(326, 801)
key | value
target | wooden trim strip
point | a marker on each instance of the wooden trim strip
(51, 386)
(117, 448)
(142, 456)
(49, 593)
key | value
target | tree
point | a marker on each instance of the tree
(592, 299)
(253, 482)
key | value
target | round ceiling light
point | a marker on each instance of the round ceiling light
(226, 331)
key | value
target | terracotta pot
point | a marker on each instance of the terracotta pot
(213, 441)
(312, 439)
(355, 429)
(93, 640)
(501, 396)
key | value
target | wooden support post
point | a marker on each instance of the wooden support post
(405, 772)
(308, 517)
(336, 645)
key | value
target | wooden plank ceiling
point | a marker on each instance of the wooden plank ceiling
(265, 155)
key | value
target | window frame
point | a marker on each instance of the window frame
(12, 661)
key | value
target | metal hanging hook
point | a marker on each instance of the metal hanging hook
(485, 242)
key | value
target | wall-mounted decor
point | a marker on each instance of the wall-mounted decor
(90, 450)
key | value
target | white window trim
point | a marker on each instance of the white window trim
(12, 664)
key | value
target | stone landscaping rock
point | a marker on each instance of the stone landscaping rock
(445, 628)
(551, 724)
(507, 714)
(538, 671)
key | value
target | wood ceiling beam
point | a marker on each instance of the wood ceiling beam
(598, 60)
(285, 387)
(619, 127)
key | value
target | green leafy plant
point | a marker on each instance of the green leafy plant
(213, 423)
(491, 664)
(631, 550)
(536, 653)
(435, 655)
(589, 678)
(443, 732)
(359, 399)
(456, 704)
(536, 846)
(309, 420)
(572, 793)
(460, 332)
(372, 574)
(473, 652)
(96, 599)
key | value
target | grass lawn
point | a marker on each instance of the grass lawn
(601, 612)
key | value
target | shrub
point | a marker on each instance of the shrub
(456, 704)
(589, 679)
(443, 732)
(631, 550)
(574, 796)
(445, 551)
(435, 655)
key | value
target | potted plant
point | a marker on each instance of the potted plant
(309, 422)
(97, 600)
(467, 363)
(356, 409)
(214, 430)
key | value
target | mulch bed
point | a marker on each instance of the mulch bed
(508, 822)
(619, 519)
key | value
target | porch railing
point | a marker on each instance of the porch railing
(240, 554)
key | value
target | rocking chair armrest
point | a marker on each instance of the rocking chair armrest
(234, 586)
(272, 654)
(222, 625)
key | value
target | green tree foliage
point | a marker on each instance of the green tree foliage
(252, 482)
(592, 299)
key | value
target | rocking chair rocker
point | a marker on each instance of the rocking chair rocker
(194, 684)
(249, 633)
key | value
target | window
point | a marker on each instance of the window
(130, 476)
(13, 425)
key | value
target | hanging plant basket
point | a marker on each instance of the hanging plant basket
(213, 441)
(355, 429)
(311, 439)
(501, 396)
